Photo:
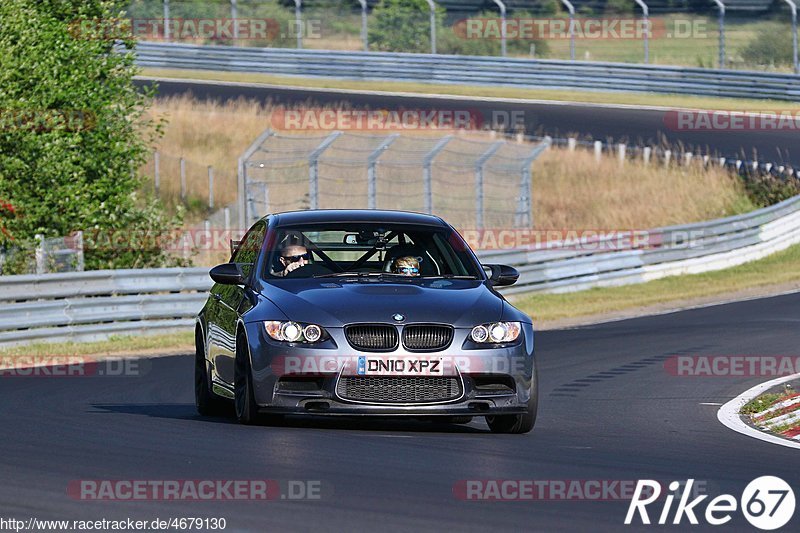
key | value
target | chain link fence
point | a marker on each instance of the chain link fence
(471, 182)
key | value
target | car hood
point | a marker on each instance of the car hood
(461, 303)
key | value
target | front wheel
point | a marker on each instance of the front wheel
(206, 402)
(517, 423)
(244, 398)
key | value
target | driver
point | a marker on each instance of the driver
(293, 256)
(406, 265)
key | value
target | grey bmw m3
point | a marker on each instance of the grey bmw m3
(363, 313)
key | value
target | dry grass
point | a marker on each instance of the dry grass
(571, 190)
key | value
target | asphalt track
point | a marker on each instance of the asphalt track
(645, 126)
(634, 421)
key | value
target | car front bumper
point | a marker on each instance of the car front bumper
(303, 380)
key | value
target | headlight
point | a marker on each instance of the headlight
(496, 332)
(290, 331)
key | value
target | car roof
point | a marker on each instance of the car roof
(353, 215)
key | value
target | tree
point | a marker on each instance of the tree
(402, 26)
(73, 131)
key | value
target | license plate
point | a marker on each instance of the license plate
(399, 366)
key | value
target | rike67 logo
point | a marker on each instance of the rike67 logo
(767, 503)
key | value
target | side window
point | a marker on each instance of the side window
(247, 252)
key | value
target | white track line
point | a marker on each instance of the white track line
(728, 414)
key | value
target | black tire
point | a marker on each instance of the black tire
(206, 402)
(518, 424)
(244, 398)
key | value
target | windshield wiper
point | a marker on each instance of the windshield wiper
(358, 275)
(449, 276)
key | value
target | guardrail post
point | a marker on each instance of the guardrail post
(721, 7)
(313, 169)
(427, 174)
(298, 21)
(688, 158)
(183, 179)
(77, 245)
(571, 10)
(432, 6)
(646, 19)
(372, 163)
(227, 217)
(364, 34)
(157, 170)
(166, 20)
(646, 152)
(621, 153)
(235, 19)
(503, 26)
(524, 216)
(210, 187)
(479, 163)
(667, 157)
(598, 150)
(572, 142)
(41, 263)
(793, 7)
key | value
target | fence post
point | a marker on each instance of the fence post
(524, 216)
(571, 10)
(793, 7)
(298, 20)
(598, 150)
(227, 216)
(572, 142)
(234, 18)
(479, 163)
(157, 169)
(645, 18)
(432, 6)
(40, 255)
(364, 34)
(667, 156)
(503, 26)
(621, 153)
(210, 187)
(372, 163)
(721, 7)
(313, 169)
(183, 179)
(427, 175)
(166, 20)
(646, 151)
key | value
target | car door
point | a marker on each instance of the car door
(232, 301)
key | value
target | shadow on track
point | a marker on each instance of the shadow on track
(187, 412)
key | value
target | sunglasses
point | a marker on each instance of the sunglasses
(408, 270)
(294, 258)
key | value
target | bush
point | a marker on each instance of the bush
(402, 26)
(72, 130)
(769, 49)
(769, 190)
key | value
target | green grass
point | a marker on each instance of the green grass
(778, 269)
(756, 405)
(116, 346)
(595, 97)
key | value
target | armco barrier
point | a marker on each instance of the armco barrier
(92, 305)
(471, 70)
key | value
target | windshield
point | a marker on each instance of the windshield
(366, 250)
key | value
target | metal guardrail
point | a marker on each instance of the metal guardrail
(472, 70)
(92, 305)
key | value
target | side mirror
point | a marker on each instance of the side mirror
(227, 274)
(502, 275)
